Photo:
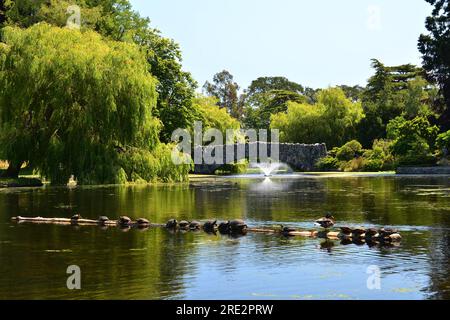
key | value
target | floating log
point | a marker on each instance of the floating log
(81, 222)
(305, 234)
(256, 230)
(355, 237)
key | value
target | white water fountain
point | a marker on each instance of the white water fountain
(272, 168)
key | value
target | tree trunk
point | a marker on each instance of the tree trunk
(445, 118)
(13, 170)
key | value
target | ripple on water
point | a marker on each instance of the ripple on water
(156, 264)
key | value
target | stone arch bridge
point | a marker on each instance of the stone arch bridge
(300, 157)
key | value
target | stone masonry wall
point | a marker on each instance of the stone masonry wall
(301, 157)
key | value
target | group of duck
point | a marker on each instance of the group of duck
(359, 233)
(234, 227)
(230, 227)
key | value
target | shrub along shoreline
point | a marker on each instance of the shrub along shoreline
(21, 182)
(410, 143)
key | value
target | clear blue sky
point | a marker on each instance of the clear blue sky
(314, 43)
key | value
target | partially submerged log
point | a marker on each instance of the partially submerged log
(64, 221)
(330, 235)
(78, 222)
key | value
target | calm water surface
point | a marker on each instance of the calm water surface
(156, 264)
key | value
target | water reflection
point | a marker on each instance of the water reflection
(155, 263)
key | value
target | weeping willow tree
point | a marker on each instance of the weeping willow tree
(72, 103)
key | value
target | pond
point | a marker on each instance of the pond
(158, 264)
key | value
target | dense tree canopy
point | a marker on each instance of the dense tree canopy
(332, 120)
(389, 93)
(260, 107)
(267, 84)
(267, 96)
(413, 140)
(71, 102)
(116, 20)
(435, 48)
(97, 102)
(354, 93)
(214, 117)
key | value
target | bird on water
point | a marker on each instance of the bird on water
(326, 222)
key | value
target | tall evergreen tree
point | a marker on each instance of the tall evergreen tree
(383, 98)
(435, 48)
(267, 96)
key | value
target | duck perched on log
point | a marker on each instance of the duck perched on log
(224, 227)
(102, 220)
(359, 232)
(184, 225)
(75, 218)
(326, 222)
(195, 226)
(347, 232)
(388, 234)
(210, 226)
(172, 224)
(372, 233)
(124, 221)
(359, 236)
(238, 226)
(288, 231)
(143, 223)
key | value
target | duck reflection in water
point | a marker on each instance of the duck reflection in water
(327, 245)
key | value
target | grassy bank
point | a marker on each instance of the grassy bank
(20, 182)
(28, 179)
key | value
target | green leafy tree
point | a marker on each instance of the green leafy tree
(417, 98)
(349, 151)
(302, 123)
(390, 92)
(354, 93)
(413, 140)
(267, 96)
(267, 84)
(435, 48)
(443, 143)
(22, 12)
(116, 20)
(264, 105)
(226, 91)
(311, 94)
(341, 114)
(333, 120)
(214, 117)
(380, 157)
(71, 102)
